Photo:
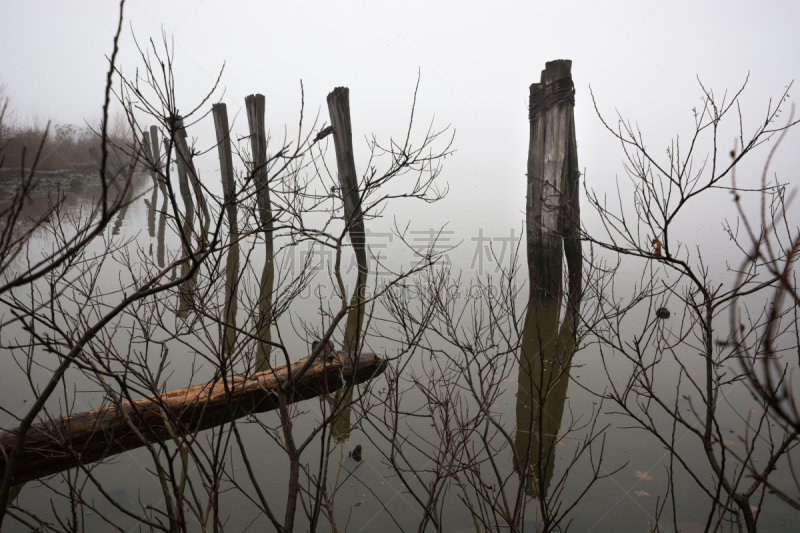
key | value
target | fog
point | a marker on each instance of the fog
(474, 62)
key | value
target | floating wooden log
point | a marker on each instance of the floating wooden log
(59, 445)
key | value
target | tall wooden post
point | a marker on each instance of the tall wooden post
(550, 177)
(184, 159)
(162, 229)
(186, 290)
(339, 109)
(553, 230)
(220, 112)
(256, 108)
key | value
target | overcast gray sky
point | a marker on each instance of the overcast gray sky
(476, 61)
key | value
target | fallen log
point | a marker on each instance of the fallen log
(58, 445)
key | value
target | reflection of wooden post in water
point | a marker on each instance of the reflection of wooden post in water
(151, 212)
(256, 107)
(112, 171)
(220, 112)
(231, 301)
(339, 109)
(545, 361)
(123, 210)
(552, 226)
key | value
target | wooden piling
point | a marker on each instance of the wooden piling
(339, 109)
(85, 438)
(184, 156)
(184, 159)
(148, 154)
(220, 112)
(256, 109)
(553, 230)
(552, 203)
(155, 146)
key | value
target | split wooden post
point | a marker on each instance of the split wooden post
(220, 112)
(184, 160)
(553, 230)
(61, 444)
(185, 156)
(186, 290)
(552, 203)
(256, 109)
(339, 109)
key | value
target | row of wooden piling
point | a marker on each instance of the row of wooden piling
(552, 224)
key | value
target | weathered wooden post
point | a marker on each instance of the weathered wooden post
(148, 154)
(184, 156)
(552, 183)
(186, 290)
(220, 112)
(256, 108)
(155, 146)
(553, 230)
(151, 212)
(339, 109)
(162, 228)
(184, 159)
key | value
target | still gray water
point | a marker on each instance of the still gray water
(369, 494)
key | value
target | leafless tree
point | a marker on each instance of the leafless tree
(676, 309)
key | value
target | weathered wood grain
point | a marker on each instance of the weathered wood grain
(220, 112)
(339, 109)
(256, 108)
(92, 436)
